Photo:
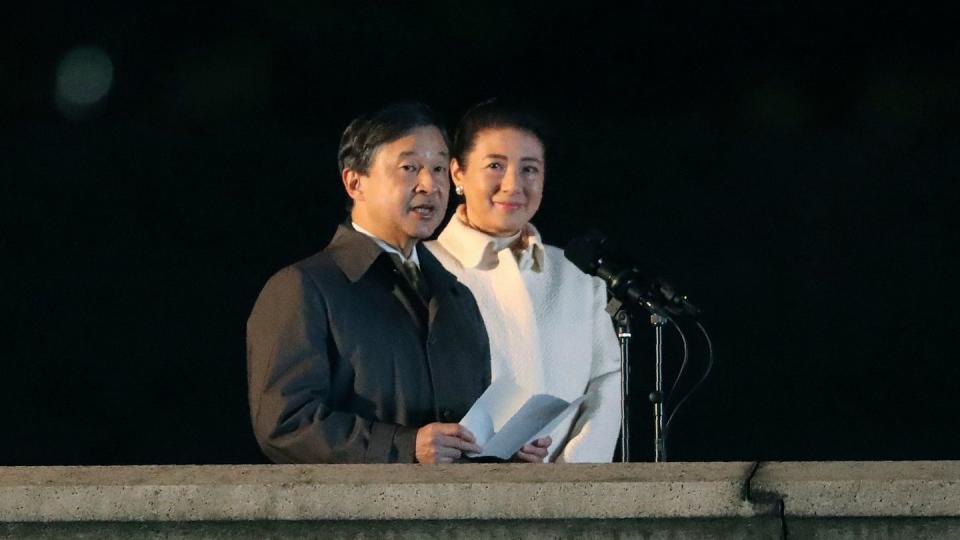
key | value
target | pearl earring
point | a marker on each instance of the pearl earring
(459, 190)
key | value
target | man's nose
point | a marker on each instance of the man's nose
(428, 180)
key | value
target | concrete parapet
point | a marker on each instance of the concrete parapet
(862, 489)
(372, 492)
(264, 493)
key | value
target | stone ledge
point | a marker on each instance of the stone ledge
(478, 492)
(863, 489)
(373, 492)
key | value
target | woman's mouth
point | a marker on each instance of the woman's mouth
(508, 206)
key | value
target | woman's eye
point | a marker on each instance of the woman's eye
(495, 166)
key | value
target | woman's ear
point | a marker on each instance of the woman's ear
(353, 184)
(456, 172)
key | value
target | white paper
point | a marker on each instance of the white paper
(493, 409)
(506, 417)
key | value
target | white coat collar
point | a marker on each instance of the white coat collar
(477, 249)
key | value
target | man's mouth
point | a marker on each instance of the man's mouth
(425, 211)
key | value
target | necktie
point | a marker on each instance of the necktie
(414, 277)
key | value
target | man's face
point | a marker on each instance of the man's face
(403, 196)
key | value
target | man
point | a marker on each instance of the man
(369, 351)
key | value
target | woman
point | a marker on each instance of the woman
(545, 318)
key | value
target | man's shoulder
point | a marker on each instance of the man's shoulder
(319, 269)
(320, 263)
(345, 246)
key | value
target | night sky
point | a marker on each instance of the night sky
(792, 169)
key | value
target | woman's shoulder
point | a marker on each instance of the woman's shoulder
(443, 255)
(559, 263)
(566, 273)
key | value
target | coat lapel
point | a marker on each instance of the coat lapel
(356, 254)
(441, 283)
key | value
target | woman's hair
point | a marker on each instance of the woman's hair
(494, 114)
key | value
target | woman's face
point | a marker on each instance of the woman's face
(502, 179)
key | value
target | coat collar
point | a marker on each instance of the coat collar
(355, 252)
(476, 249)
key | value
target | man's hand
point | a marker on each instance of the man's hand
(443, 443)
(535, 451)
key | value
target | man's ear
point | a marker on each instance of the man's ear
(353, 183)
(456, 172)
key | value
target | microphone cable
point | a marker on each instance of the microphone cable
(686, 356)
(696, 386)
(666, 397)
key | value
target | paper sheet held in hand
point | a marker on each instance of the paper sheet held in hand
(506, 417)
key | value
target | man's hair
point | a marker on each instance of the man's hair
(366, 133)
(495, 114)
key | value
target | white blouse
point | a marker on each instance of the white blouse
(548, 330)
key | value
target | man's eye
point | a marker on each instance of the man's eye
(530, 169)
(440, 168)
(410, 168)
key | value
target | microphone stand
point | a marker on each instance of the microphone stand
(656, 397)
(626, 285)
(622, 321)
(621, 318)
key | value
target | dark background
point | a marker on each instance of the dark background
(794, 167)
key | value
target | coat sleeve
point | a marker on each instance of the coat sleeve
(289, 353)
(593, 436)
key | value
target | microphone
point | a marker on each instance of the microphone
(591, 253)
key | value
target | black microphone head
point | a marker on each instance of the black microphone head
(586, 251)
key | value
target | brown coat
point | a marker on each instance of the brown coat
(345, 362)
